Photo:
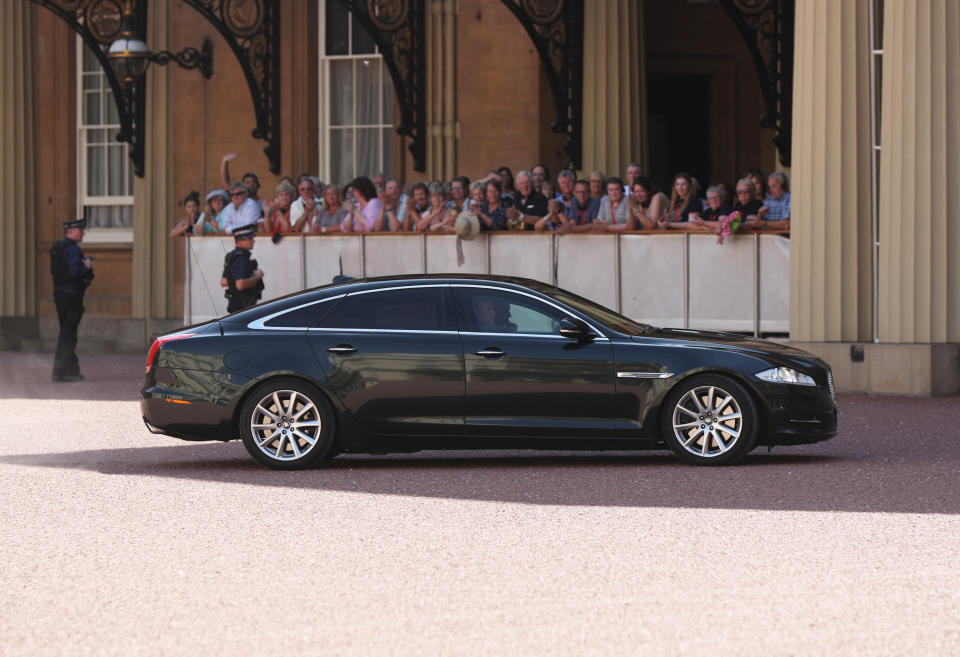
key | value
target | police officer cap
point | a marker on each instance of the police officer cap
(75, 223)
(244, 232)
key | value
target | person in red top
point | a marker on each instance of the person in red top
(277, 219)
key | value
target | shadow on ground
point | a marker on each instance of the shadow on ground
(899, 469)
(109, 377)
(892, 455)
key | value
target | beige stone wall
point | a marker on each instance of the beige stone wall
(17, 172)
(830, 257)
(614, 129)
(153, 196)
(498, 90)
(920, 135)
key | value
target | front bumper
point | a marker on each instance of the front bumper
(798, 415)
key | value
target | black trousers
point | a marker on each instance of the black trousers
(239, 302)
(69, 310)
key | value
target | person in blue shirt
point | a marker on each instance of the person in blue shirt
(72, 273)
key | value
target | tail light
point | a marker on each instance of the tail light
(159, 342)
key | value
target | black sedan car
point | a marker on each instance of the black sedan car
(407, 363)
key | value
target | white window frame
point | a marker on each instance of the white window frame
(93, 235)
(323, 109)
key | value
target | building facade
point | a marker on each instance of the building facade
(854, 99)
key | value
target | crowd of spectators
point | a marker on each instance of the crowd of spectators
(529, 200)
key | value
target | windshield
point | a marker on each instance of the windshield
(595, 311)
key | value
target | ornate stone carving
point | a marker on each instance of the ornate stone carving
(105, 20)
(250, 27)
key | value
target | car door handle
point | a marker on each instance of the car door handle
(491, 353)
(342, 349)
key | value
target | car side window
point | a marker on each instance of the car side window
(305, 317)
(485, 310)
(407, 309)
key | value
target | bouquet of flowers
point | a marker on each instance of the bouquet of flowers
(729, 225)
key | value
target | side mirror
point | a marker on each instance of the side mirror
(575, 329)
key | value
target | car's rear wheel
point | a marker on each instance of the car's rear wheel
(710, 420)
(288, 424)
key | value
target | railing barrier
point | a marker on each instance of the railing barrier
(663, 278)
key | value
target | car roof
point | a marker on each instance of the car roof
(412, 279)
(357, 284)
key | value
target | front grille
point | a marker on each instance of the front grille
(833, 391)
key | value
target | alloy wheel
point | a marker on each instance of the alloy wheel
(707, 421)
(285, 425)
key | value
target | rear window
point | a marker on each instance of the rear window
(407, 309)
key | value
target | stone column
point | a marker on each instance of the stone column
(442, 128)
(18, 286)
(153, 198)
(920, 173)
(614, 97)
(830, 257)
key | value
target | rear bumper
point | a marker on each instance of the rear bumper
(198, 421)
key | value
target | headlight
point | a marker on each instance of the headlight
(786, 375)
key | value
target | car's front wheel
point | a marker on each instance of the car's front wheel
(288, 424)
(710, 420)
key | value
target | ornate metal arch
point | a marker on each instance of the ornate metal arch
(397, 27)
(556, 28)
(98, 22)
(251, 29)
(767, 26)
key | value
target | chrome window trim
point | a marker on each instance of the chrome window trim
(598, 332)
(549, 336)
(397, 287)
(258, 324)
(644, 375)
(369, 330)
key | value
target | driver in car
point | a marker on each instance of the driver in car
(493, 317)
(486, 310)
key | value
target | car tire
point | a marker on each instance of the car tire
(710, 419)
(288, 424)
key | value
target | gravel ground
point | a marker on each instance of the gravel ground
(114, 541)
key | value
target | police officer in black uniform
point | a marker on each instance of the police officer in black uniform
(72, 274)
(241, 276)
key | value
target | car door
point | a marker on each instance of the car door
(393, 357)
(522, 377)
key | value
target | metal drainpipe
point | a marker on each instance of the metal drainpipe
(686, 280)
(450, 90)
(187, 296)
(756, 285)
(874, 155)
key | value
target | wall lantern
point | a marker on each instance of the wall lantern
(129, 55)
